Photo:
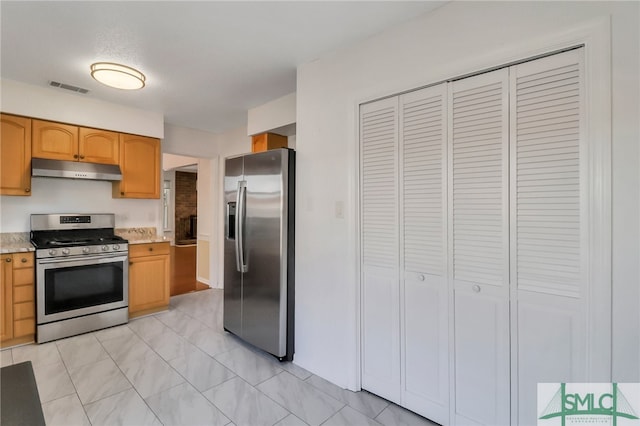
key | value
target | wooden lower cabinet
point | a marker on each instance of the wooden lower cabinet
(149, 274)
(6, 317)
(18, 299)
(183, 269)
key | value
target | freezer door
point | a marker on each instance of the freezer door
(232, 275)
(265, 277)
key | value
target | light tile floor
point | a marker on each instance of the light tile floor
(180, 367)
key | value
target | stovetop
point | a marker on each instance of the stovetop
(71, 238)
(81, 242)
(70, 235)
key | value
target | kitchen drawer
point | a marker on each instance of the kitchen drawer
(23, 276)
(151, 249)
(24, 311)
(24, 327)
(23, 293)
(22, 260)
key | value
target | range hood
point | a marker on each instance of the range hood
(74, 170)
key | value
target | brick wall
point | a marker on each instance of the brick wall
(186, 202)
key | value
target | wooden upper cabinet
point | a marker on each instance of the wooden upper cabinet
(98, 146)
(55, 141)
(266, 141)
(140, 166)
(59, 141)
(15, 155)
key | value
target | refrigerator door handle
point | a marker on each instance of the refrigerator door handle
(240, 218)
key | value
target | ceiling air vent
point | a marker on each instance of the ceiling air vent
(68, 87)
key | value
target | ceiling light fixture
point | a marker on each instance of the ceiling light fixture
(117, 75)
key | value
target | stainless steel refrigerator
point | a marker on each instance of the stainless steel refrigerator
(259, 200)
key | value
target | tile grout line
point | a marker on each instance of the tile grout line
(282, 370)
(276, 402)
(249, 384)
(185, 316)
(72, 383)
(304, 381)
(186, 380)
(125, 376)
(346, 403)
(236, 375)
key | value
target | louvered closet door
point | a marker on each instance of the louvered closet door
(479, 247)
(550, 285)
(423, 141)
(379, 230)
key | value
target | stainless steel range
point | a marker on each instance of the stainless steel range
(82, 274)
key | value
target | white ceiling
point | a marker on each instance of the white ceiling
(206, 62)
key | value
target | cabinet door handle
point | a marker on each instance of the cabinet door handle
(122, 193)
(27, 190)
(23, 260)
(75, 155)
(8, 259)
(130, 263)
(421, 277)
(150, 248)
(476, 288)
(82, 157)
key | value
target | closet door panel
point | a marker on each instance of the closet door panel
(478, 170)
(380, 258)
(424, 291)
(425, 386)
(479, 246)
(550, 347)
(423, 145)
(548, 227)
(481, 357)
(381, 337)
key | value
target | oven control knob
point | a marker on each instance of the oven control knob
(86, 250)
(66, 251)
(53, 252)
(116, 247)
(105, 248)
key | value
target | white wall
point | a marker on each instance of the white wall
(207, 169)
(211, 149)
(457, 38)
(231, 143)
(172, 161)
(188, 146)
(189, 142)
(275, 114)
(57, 105)
(52, 195)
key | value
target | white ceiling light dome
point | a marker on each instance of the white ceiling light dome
(118, 75)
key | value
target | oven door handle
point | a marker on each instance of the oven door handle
(83, 259)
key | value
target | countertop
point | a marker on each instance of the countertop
(16, 247)
(149, 240)
(140, 235)
(15, 242)
(19, 242)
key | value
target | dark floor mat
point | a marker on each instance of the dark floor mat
(19, 399)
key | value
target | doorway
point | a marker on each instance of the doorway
(180, 218)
